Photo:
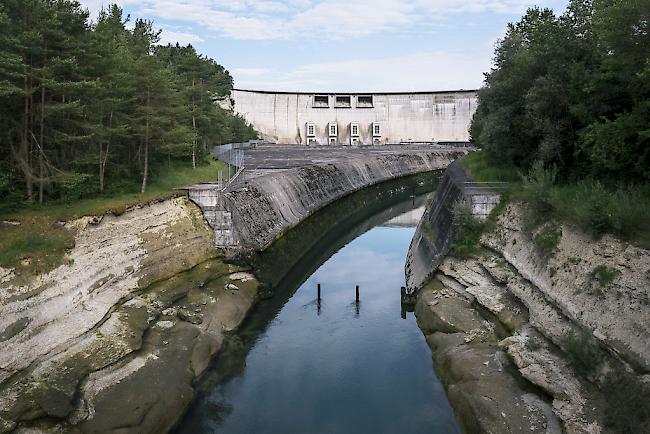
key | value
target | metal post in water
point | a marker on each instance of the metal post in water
(357, 294)
(318, 293)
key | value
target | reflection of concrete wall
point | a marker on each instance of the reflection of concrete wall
(409, 219)
(404, 117)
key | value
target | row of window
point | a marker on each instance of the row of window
(333, 132)
(342, 101)
(333, 129)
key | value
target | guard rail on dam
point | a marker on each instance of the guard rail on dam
(279, 186)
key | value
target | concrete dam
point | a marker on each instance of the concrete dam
(357, 119)
(278, 186)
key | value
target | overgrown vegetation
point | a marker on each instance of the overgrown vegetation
(35, 239)
(93, 108)
(37, 245)
(622, 210)
(628, 403)
(547, 239)
(467, 231)
(583, 352)
(565, 109)
(604, 275)
(532, 344)
(572, 91)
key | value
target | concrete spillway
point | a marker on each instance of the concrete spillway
(282, 186)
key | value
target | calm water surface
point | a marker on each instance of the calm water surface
(334, 368)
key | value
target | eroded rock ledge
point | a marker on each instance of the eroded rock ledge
(527, 342)
(113, 339)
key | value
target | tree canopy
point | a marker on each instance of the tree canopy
(86, 106)
(573, 92)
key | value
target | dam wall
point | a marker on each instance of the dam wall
(380, 118)
(434, 234)
(255, 211)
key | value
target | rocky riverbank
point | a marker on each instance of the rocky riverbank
(531, 341)
(142, 300)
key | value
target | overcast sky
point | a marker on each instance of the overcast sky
(339, 45)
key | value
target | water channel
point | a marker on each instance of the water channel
(338, 366)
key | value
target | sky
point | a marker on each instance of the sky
(339, 45)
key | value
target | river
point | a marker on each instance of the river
(338, 366)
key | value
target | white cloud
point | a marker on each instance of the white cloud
(476, 6)
(437, 70)
(183, 38)
(250, 72)
(94, 6)
(290, 19)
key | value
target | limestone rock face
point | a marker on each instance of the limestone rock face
(476, 372)
(529, 306)
(80, 342)
(615, 312)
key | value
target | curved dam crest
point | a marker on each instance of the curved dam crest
(255, 210)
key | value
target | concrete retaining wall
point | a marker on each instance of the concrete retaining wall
(262, 208)
(403, 117)
(434, 235)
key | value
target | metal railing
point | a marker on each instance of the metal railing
(233, 155)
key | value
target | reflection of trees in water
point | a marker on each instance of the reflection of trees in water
(219, 411)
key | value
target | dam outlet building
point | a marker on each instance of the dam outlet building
(358, 118)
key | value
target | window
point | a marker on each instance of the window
(364, 101)
(333, 129)
(376, 131)
(343, 101)
(321, 101)
(354, 129)
(311, 129)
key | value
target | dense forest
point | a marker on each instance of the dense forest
(564, 117)
(90, 107)
(572, 92)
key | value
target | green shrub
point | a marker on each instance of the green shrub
(628, 403)
(622, 211)
(74, 186)
(428, 231)
(586, 203)
(604, 275)
(537, 190)
(532, 344)
(484, 170)
(583, 352)
(548, 238)
(467, 230)
(630, 211)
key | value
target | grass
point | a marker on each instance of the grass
(548, 238)
(604, 275)
(39, 242)
(483, 171)
(593, 206)
(620, 210)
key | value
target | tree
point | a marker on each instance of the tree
(85, 108)
(572, 92)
